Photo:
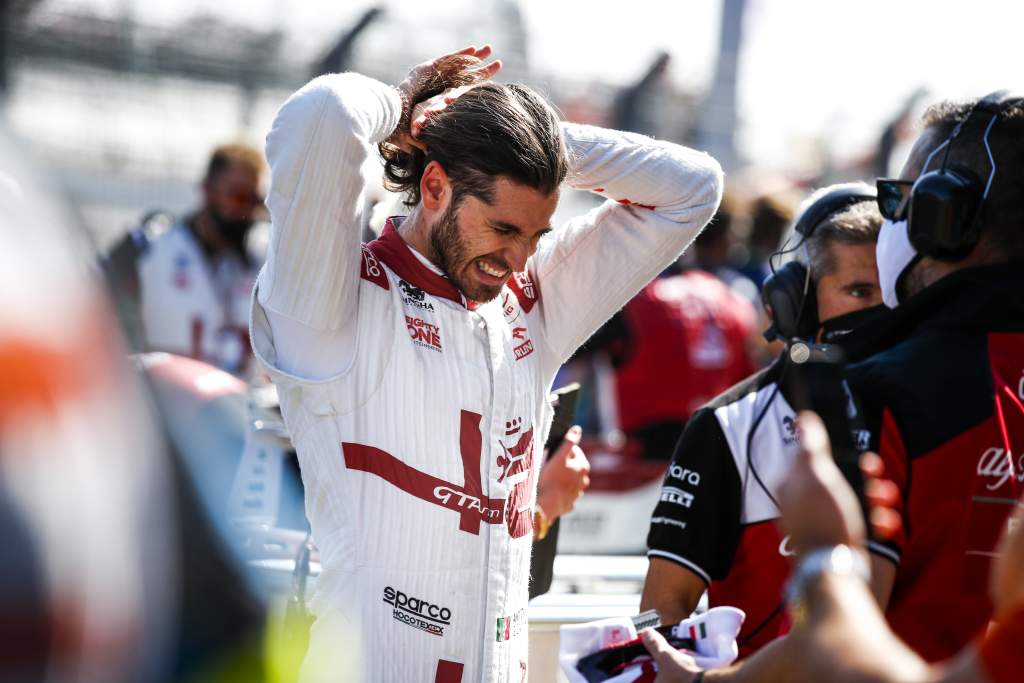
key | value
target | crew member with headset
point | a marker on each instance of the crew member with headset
(715, 524)
(944, 400)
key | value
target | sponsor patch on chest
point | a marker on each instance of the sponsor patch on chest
(414, 297)
(423, 333)
(522, 345)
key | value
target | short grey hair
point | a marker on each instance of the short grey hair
(856, 224)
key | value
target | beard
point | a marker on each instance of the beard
(451, 254)
(233, 231)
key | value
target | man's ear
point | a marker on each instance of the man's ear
(435, 188)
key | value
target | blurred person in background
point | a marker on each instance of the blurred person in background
(713, 250)
(715, 526)
(840, 634)
(186, 289)
(414, 370)
(678, 343)
(770, 214)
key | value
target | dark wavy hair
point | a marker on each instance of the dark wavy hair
(492, 130)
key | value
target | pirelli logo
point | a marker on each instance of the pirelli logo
(671, 494)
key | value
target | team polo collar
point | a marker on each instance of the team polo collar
(393, 251)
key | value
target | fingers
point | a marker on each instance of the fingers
(672, 664)
(470, 50)
(488, 71)
(883, 496)
(886, 522)
(449, 96)
(571, 441)
(813, 436)
(479, 52)
(882, 493)
(872, 465)
(655, 643)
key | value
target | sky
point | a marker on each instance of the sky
(808, 68)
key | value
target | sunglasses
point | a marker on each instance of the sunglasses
(893, 197)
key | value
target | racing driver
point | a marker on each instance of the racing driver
(413, 370)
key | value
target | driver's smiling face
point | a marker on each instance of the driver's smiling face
(480, 245)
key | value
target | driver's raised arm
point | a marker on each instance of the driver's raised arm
(316, 147)
(660, 196)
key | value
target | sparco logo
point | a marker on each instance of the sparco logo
(414, 296)
(998, 464)
(417, 612)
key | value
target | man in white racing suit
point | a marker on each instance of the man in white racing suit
(413, 371)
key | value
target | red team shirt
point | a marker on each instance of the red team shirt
(944, 405)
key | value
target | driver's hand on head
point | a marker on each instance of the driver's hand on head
(673, 666)
(564, 477)
(471, 68)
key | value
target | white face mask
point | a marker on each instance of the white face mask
(895, 254)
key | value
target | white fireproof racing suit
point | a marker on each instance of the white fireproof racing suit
(420, 452)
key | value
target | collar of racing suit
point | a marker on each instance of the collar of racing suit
(984, 297)
(393, 251)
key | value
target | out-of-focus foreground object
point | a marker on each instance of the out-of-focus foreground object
(86, 520)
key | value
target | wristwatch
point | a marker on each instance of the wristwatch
(838, 559)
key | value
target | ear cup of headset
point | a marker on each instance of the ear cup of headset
(943, 208)
(943, 221)
(793, 302)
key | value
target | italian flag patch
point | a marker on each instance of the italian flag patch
(693, 632)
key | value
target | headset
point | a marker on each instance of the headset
(943, 219)
(788, 293)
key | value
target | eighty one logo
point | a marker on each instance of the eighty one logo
(998, 464)
(423, 333)
(417, 612)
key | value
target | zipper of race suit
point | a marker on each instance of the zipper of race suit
(486, 477)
